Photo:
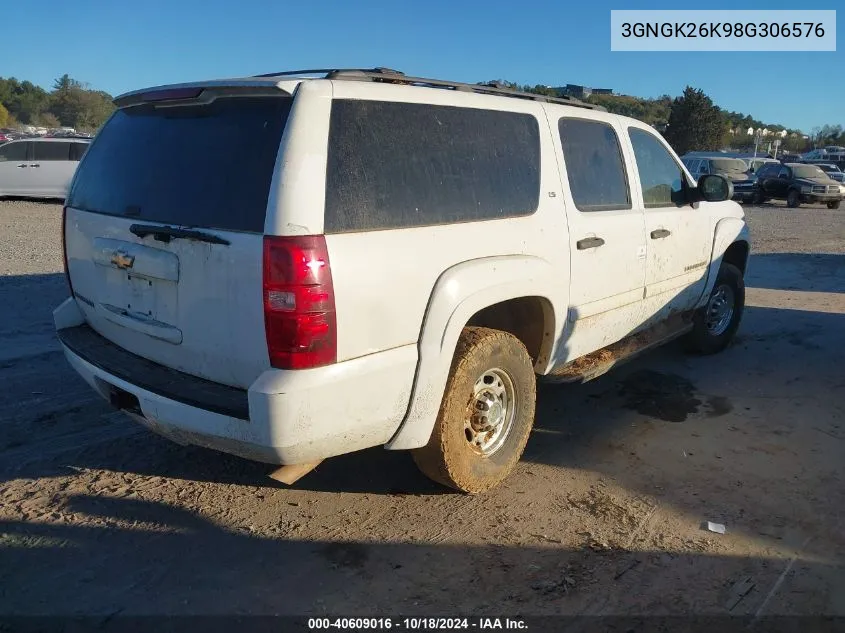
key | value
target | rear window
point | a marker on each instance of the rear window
(204, 165)
(77, 150)
(398, 165)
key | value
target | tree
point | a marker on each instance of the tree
(23, 99)
(4, 116)
(70, 103)
(795, 142)
(77, 106)
(695, 123)
(46, 119)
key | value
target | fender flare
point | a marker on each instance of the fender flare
(728, 231)
(459, 293)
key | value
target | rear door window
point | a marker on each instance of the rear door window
(399, 165)
(594, 165)
(49, 151)
(206, 165)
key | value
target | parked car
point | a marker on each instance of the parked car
(4, 138)
(371, 262)
(833, 172)
(38, 167)
(796, 183)
(734, 169)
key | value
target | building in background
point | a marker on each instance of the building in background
(580, 92)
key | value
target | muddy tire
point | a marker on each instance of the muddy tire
(833, 205)
(486, 414)
(793, 199)
(715, 325)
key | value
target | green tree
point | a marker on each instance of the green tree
(75, 105)
(46, 119)
(70, 102)
(795, 142)
(23, 99)
(5, 117)
(695, 123)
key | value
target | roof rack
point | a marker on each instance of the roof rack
(388, 75)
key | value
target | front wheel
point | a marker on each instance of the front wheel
(793, 199)
(715, 325)
(833, 205)
(486, 414)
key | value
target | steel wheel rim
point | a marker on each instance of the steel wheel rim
(720, 310)
(491, 412)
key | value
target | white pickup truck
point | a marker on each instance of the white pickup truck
(294, 266)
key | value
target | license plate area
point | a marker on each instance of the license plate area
(139, 296)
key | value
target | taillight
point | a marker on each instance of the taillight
(299, 309)
(64, 249)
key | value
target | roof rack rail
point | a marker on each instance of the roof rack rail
(388, 75)
(326, 72)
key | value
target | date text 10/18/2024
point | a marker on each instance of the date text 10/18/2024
(416, 624)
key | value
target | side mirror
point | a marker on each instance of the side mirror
(713, 188)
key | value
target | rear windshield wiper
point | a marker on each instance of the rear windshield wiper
(167, 233)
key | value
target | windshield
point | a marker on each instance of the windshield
(807, 171)
(198, 165)
(729, 164)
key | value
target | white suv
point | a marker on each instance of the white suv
(288, 268)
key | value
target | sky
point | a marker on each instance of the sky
(120, 46)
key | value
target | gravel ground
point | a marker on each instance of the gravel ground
(30, 240)
(603, 515)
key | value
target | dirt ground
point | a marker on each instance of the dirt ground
(603, 516)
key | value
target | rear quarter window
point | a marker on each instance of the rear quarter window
(399, 165)
(206, 165)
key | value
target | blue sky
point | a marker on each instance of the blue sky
(119, 46)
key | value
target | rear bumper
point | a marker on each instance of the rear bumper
(285, 417)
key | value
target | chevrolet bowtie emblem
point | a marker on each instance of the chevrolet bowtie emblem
(122, 260)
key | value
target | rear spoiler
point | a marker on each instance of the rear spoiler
(202, 92)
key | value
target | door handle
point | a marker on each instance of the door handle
(589, 242)
(660, 234)
(34, 165)
(22, 166)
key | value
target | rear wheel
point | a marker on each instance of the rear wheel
(715, 325)
(486, 414)
(833, 205)
(758, 198)
(793, 199)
